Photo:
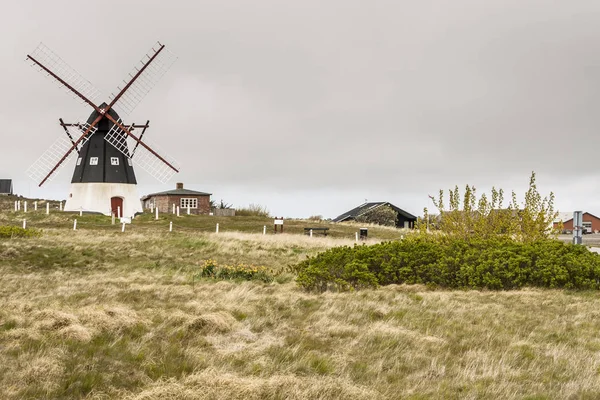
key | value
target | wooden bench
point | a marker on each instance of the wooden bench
(323, 231)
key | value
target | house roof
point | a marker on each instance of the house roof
(177, 192)
(366, 207)
(6, 186)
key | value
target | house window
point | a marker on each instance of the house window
(93, 160)
(191, 203)
(114, 161)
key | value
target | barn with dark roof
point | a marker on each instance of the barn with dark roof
(405, 219)
(198, 202)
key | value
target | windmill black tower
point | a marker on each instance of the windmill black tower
(104, 179)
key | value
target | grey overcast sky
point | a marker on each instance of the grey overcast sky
(311, 107)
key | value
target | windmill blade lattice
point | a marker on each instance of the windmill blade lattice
(146, 81)
(51, 157)
(52, 61)
(143, 158)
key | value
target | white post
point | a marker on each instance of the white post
(35, 206)
(19, 205)
(188, 210)
(217, 231)
(178, 211)
(16, 209)
(112, 218)
(60, 207)
(173, 208)
(151, 208)
(123, 227)
(311, 233)
(118, 211)
(171, 226)
(156, 211)
(264, 230)
(401, 237)
(47, 208)
(24, 224)
(80, 211)
(75, 225)
(25, 206)
(356, 236)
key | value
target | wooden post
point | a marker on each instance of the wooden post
(80, 211)
(178, 211)
(25, 206)
(123, 227)
(217, 231)
(151, 208)
(112, 218)
(75, 225)
(156, 212)
(19, 205)
(171, 226)
(264, 230)
(188, 210)
(173, 208)
(24, 224)
(311, 233)
(356, 236)
(118, 211)
(60, 207)
(47, 208)
(16, 209)
(35, 206)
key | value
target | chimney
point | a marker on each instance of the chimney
(179, 185)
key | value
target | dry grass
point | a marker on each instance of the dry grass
(103, 315)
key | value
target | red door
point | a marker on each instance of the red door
(116, 205)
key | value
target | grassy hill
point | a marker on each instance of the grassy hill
(97, 313)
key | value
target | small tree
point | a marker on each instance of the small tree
(485, 217)
(382, 215)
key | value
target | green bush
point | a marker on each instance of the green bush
(213, 270)
(15, 231)
(452, 262)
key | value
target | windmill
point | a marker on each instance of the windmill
(105, 147)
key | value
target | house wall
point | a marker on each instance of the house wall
(401, 220)
(587, 217)
(165, 204)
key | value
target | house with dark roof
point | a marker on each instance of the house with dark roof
(6, 187)
(405, 219)
(197, 202)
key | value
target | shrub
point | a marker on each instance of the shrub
(253, 210)
(236, 272)
(15, 231)
(453, 262)
(382, 215)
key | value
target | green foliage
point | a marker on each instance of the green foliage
(253, 210)
(213, 270)
(488, 216)
(15, 231)
(383, 215)
(453, 262)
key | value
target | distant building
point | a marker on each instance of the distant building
(198, 202)
(6, 187)
(591, 223)
(405, 219)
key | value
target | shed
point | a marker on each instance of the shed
(405, 219)
(198, 202)
(6, 187)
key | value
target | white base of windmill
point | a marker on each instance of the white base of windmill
(96, 197)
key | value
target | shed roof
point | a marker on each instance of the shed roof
(6, 186)
(177, 192)
(366, 207)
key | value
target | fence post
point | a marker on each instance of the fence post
(173, 208)
(24, 224)
(264, 230)
(113, 218)
(123, 227)
(35, 206)
(75, 225)
(188, 210)
(151, 208)
(47, 208)
(25, 206)
(60, 207)
(80, 211)
(356, 236)
(156, 211)
(19, 205)
(217, 231)
(171, 226)
(178, 211)
(311, 233)
(118, 211)
(16, 206)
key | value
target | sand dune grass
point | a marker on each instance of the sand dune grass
(102, 315)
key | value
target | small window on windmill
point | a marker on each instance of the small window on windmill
(129, 161)
(93, 160)
(114, 161)
(79, 161)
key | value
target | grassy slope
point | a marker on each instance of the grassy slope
(101, 314)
